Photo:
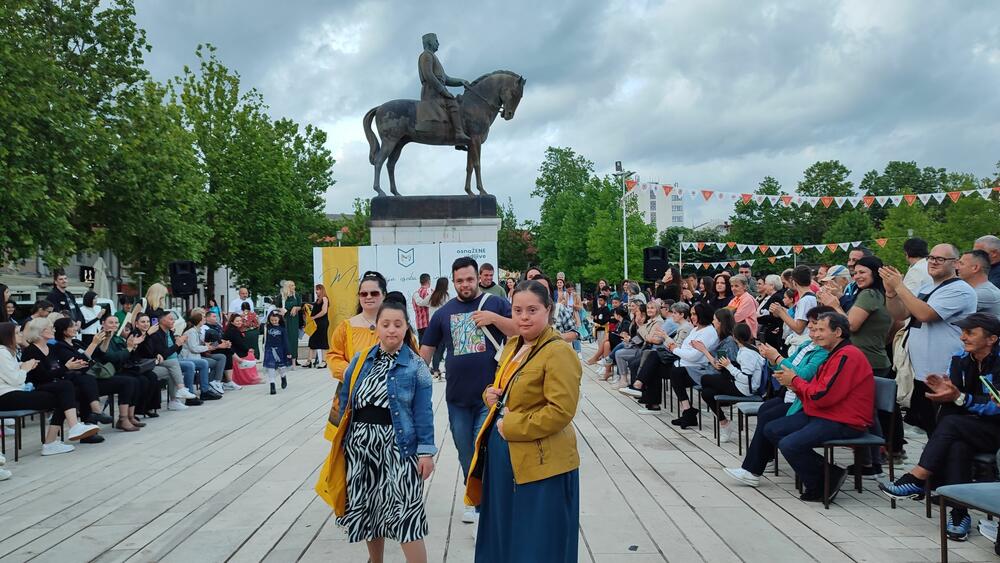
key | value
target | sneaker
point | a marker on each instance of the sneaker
(176, 405)
(630, 392)
(5, 474)
(56, 448)
(959, 524)
(905, 487)
(3, 460)
(726, 433)
(95, 439)
(648, 410)
(183, 393)
(284, 382)
(80, 431)
(743, 476)
(231, 386)
(988, 528)
(210, 396)
(867, 471)
(193, 402)
(98, 418)
(217, 387)
(469, 516)
(273, 390)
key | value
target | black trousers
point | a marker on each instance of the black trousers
(147, 391)
(57, 396)
(86, 388)
(714, 384)
(122, 385)
(651, 373)
(679, 382)
(760, 451)
(957, 438)
(922, 412)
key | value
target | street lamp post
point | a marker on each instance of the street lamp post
(622, 175)
(140, 274)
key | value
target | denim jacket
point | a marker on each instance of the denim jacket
(409, 385)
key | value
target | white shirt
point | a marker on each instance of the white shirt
(917, 276)
(88, 314)
(236, 305)
(12, 377)
(691, 357)
(747, 376)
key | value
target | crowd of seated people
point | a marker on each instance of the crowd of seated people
(825, 336)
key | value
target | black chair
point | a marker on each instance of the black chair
(729, 401)
(885, 401)
(19, 423)
(983, 464)
(984, 497)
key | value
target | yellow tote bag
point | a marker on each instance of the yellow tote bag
(310, 325)
(332, 483)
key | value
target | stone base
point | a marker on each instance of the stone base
(433, 219)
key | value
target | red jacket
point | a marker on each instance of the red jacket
(843, 389)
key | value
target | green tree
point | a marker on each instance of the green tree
(901, 223)
(355, 228)
(853, 225)
(561, 233)
(604, 236)
(763, 223)
(514, 241)
(824, 178)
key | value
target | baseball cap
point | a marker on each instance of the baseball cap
(985, 321)
(837, 271)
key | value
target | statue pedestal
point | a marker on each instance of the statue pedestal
(400, 220)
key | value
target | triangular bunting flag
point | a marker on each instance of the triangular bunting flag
(707, 194)
(797, 248)
(819, 247)
(759, 199)
(771, 259)
(742, 247)
(749, 262)
(720, 246)
(881, 199)
(840, 201)
(773, 199)
(896, 199)
(746, 197)
(731, 244)
(854, 201)
(868, 199)
(856, 244)
(667, 189)
(924, 198)
(881, 242)
(985, 194)
(826, 201)
(938, 196)
(762, 248)
(954, 195)
(704, 265)
(910, 198)
(844, 246)
(786, 199)
(629, 185)
(732, 264)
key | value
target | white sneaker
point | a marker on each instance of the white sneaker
(644, 410)
(217, 387)
(176, 405)
(726, 433)
(988, 528)
(469, 516)
(183, 393)
(630, 392)
(4, 474)
(743, 476)
(80, 431)
(231, 386)
(56, 448)
(3, 460)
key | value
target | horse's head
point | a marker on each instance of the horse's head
(510, 96)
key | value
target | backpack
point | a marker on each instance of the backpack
(769, 385)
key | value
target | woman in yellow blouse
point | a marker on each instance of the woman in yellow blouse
(525, 473)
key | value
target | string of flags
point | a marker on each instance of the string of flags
(778, 249)
(810, 201)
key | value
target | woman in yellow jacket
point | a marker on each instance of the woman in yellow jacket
(525, 473)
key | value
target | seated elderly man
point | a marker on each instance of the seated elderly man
(969, 423)
(837, 404)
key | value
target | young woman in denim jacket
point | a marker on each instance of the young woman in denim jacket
(389, 445)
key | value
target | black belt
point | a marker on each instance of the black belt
(373, 415)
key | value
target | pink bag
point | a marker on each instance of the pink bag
(245, 370)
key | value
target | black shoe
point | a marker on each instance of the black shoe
(95, 439)
(811, 496)
(837, 478)
(210, 396)
(152, 414)
(101, 418)
(273, 390)
(284, 382)
(194, 402)
(867, 471)
(689, 418)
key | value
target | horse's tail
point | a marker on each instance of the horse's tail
(373, 145)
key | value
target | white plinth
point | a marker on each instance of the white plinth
(426, 231)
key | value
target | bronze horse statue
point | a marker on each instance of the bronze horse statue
(495, 93)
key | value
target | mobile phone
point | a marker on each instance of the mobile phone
(989, 387)
(721, 354)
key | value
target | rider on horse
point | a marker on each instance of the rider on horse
(433, 88)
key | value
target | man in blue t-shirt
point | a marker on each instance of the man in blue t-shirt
(460, 326)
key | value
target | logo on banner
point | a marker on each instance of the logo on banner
(405, 257)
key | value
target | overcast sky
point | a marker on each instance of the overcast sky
(708, 94)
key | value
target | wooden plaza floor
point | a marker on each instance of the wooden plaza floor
(233, 481)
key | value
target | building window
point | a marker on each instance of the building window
(652, 218)
(652, 205)
(678, 218)
(652, 194)
(675, 197)
(678, 208)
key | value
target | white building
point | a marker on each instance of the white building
(658, 209)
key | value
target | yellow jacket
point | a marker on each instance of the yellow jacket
(538, 427)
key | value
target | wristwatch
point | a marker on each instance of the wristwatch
(960, 401)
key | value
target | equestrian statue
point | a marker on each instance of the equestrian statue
(441, 118)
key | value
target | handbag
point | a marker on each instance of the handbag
(332, 483)
(101, 370)
(142, 365)
(310, 325)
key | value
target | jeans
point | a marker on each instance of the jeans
(199, 365)
(465, 423)
(760, 451)
(577, 347)
(797, 435)
(217, 364)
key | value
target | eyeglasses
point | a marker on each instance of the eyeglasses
(939, 259)
(364, 294)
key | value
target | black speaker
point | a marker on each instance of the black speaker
(654, 263)
(183, 278)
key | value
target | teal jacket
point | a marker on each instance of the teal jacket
(805, 362)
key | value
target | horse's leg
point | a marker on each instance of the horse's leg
(383, 153)
(469, 165)
(391, 166)
(479, 171)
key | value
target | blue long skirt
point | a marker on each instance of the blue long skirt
(533, 522)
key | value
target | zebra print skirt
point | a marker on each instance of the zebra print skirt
(384, 491)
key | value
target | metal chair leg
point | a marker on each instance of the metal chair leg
(944, 533)
(826, 478)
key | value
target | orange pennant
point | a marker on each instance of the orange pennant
(701, 245)
(826, 200)
(763, 248)
(704, 265)
(732, 264)
(731, 244)
(630, 184)
(667, 190)
(771, 259)
(786, 199)
(707, 194)
(869, 200)
(881, 242)
(746, 197)
(954, 195)
(832, 247)
(797, 248)
(910, 198)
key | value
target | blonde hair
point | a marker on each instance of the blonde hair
(155, 295)
(33, 330)
(284, 288)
